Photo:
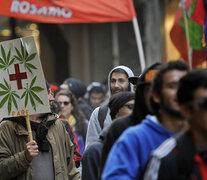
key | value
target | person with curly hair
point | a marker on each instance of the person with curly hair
(73, 115)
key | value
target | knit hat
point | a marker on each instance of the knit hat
(77, 87)
(149, 73)
(117, 101)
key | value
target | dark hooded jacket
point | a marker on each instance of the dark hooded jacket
(91, 158)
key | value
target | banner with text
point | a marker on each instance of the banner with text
(69, 11)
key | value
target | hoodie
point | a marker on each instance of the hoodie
(127, 70)
(139, 112)
(129, 155)
(94, 128)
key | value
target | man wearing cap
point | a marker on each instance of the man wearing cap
(117, 82)
(134, 80)
(120, 104)
(140, 110)
(129, 155)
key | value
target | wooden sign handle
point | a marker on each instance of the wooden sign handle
(29, 128)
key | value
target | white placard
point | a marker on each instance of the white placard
(22, 83)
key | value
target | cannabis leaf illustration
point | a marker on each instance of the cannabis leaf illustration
(5, 60)
(25, 58)
(9, 96)
(30, 93)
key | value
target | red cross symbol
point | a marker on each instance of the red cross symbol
(18, 76)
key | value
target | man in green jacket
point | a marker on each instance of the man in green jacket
(48, 156)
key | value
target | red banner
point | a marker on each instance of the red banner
(69, 11)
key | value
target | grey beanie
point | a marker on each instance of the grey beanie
(77, 87)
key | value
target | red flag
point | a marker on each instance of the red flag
(199, 13)
(69, 11)
(196, 20)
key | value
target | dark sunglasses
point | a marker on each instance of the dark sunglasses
(202, 103)
(64, 102)
(129, 106)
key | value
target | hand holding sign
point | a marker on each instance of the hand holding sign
(31, 150)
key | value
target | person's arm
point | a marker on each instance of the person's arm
(13, 165)
(94, 128)
(108, 142)
(77, 156)
(91, 161)
(73, 173)
(123, 162)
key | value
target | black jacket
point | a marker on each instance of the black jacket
(175, 159)
(91, 159)
(86, 109)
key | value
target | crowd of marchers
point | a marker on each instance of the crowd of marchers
(151, 126)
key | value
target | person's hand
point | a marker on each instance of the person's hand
(31, 150)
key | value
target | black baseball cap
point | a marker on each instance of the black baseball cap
(133, 79)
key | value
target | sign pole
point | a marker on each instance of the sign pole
(29, 128)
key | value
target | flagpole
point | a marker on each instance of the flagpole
(139, 43)
(115, 44)
(189, 49)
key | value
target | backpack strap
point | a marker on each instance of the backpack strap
(102, 114)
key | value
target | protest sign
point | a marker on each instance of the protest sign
(22, 84)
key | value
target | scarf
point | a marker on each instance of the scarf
(41, 130)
